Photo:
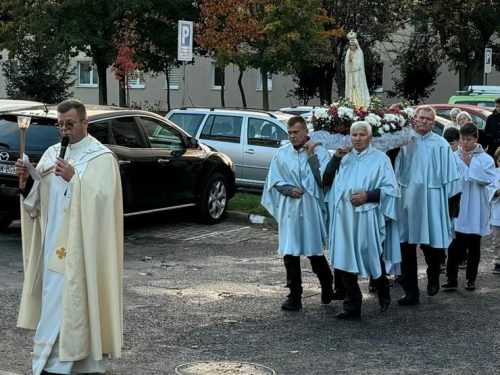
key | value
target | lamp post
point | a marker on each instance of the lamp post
(23, 122)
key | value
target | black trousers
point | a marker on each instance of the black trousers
(319, 266)
(464, 243)
(409, 268)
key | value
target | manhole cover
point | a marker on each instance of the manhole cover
(223, 368)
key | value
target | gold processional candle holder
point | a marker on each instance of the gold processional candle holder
(23, 122)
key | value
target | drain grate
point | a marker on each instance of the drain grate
(223, 368)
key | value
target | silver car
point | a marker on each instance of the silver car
(250, 138)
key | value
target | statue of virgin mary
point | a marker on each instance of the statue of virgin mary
(356, 88)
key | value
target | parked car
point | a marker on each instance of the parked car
(249, 137)
(478, 114)
(439, 125)
(161, 166)
(483, 96)
(7, 105)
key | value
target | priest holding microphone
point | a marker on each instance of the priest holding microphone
(72, 230)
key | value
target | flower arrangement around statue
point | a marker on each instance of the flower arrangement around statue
(391, 125)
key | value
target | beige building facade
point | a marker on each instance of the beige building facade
(200, 86)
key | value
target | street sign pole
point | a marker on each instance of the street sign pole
(488, 57)
(184, 50)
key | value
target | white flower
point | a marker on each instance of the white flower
(409, 111)
(391, 118)
(373, 119)
(402, 120)
(386, 128)
(321, 113)
(346, 112)
(393, 127)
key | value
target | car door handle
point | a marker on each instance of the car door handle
(250, 151)
(124, 162)
(163, 161)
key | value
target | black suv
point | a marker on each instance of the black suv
(162, 167)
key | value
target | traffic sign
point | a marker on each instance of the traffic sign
(185, 41)
(488, 57)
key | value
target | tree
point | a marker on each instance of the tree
(418, 71)
(38, 68)
(222, 33)
(156, 28)
(463, 29)
(39, 73)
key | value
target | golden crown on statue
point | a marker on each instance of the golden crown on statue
(351, 35)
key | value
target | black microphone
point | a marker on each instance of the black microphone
(64, 146)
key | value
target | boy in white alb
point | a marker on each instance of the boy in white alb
(495, 214)
(477, 176)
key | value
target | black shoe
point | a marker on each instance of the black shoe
(338, 295)
(496, 269)
(470, 285)
(326, 296)
(408, 300)
(346, 315)
(450, 285)
(292, 304)
(384, 304)
(432, 290)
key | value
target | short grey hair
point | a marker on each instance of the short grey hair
(425, 108)
(454, 112)
(464, 114)
(358, 125)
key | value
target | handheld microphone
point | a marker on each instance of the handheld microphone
(64, 146)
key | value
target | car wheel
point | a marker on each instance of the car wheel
(5, 222)
(213, 204)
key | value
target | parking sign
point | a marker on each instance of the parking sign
(185, 41)
(488, 57)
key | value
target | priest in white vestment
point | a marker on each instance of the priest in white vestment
(72, 229)
(477, 179)
(363, 237)
(427, 173)
(293, 195)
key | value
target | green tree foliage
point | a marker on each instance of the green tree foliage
(156, 29)
(463, 30)
(38, 73)
(418, 70)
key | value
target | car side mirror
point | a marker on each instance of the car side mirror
(193, 142)
(284, 142)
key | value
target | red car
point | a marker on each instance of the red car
(478, 114)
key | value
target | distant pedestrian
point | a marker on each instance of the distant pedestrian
(495, 215)
(427, 173)
(477, 175)
(362, 204)
(492, 128)
(293, 195)
(453, 117)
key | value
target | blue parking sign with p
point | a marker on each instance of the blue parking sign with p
(185, 41)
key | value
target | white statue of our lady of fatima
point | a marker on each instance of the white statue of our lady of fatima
(356, 88)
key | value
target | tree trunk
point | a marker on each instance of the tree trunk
(121, 93)
(240, 86)
(103, 86)
(222, 86)
(265, 91)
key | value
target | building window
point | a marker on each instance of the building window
(136, 80)
(87, 74)
(173, 78)
(269, 81)
(217, 77)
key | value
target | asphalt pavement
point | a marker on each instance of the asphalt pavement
(213, 293)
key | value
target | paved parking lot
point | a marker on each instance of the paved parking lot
(212, 293)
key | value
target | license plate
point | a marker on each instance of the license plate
(7, 169)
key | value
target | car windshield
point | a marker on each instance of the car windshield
(41, 134)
